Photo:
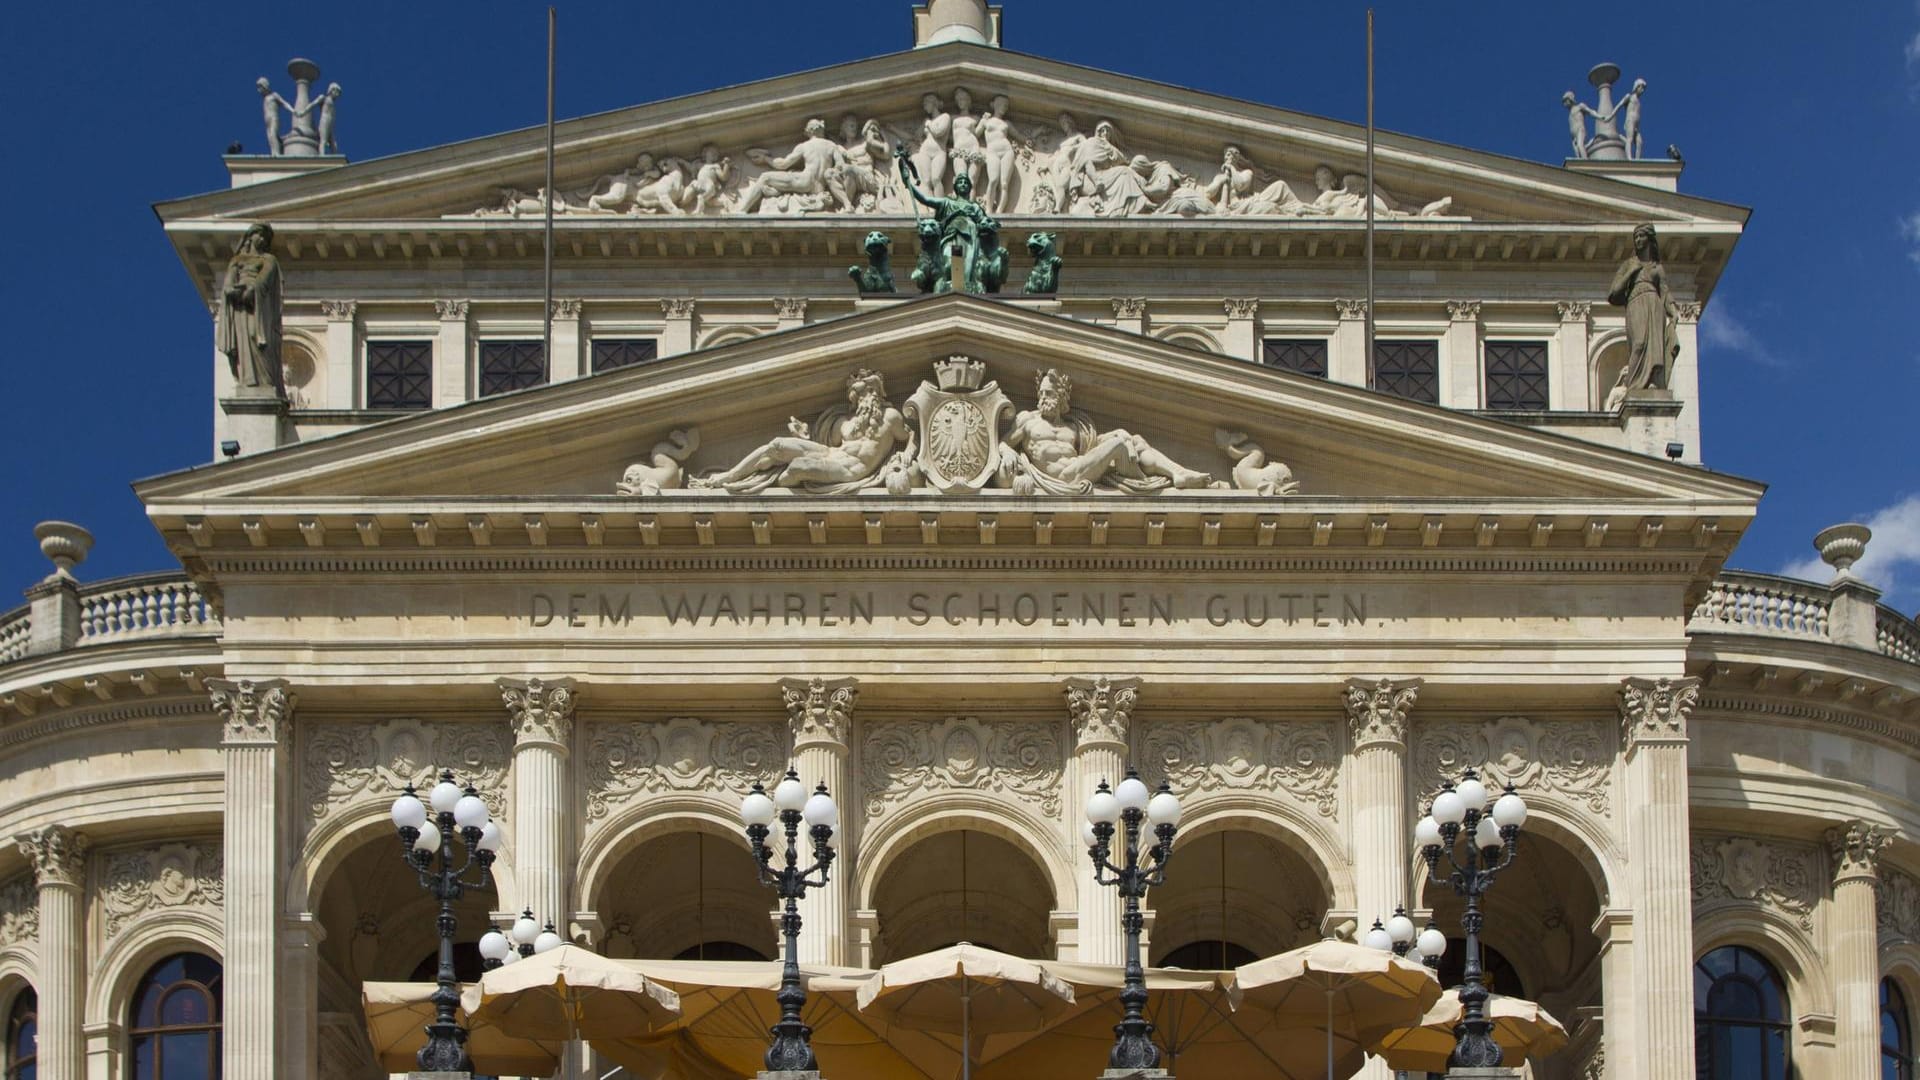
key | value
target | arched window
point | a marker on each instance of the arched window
(174, 1027)
(23, 1037)
(1896, 1034)
(1739, 1017)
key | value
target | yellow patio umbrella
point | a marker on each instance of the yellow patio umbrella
(963, 990)
(1522, 1028)
(1339, 988)
(1200, 1033)
(397, 1017)
(573, 993)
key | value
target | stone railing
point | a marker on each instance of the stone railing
(144, 606)
(15, 628)
(1743, 603)
(1898, 636)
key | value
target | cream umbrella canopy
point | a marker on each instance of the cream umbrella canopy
(1338, 987)
(573, 993)
(397, 1016)
(964, 989)
(1521, 1028)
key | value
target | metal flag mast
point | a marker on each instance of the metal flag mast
(1369, 312)
(546, 310)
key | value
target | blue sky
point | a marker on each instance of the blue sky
(1810, 369)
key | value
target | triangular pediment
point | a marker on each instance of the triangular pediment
(1177, 132)
(573, 443)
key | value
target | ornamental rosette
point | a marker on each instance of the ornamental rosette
(1656, 710)
(541, 709)
(1101, 709)
(251, 712)
(1855, 851)
(57, 854)
(820, 710)
(1377, 709)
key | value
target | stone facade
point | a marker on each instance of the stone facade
(614, 603)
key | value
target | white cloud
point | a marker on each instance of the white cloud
(1910, 225)
(1913, 52)
(1719, 329)
(1892, 555)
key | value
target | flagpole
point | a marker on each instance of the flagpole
(546, 309)
(1369, 196)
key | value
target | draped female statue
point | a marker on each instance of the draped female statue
(963, 223)
(247, 327)
(1640, 286)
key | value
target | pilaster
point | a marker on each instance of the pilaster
(255, 718)
(1855, 947)
(1570, 385)
(568, 361)
(299, 998)
(450, 353)
(1347, 359)
(820, 718)
(1100, 709)
(343, 388)
(1619, 994)
(1130, 314)
(1460, 383)
(1377, 722)
(1243, 328)
(677, 338)
(541, 713)
(1685, 379)
(791, 311)
(1653, 716)
(58, 857)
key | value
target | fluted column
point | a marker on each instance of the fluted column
(1377, 720)
(1101, 709)
(59, 859)
(541, 711)
(255, 719)
(1855, 958)
(820, 716)
(1653, 715)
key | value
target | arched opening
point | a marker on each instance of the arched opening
(1741, 1017)
(692, 895)
(23, 1036)
(381, 927)
(1896, 1033)
(963, 885)
(1233, 896)
(173, 1022)
(1609, 361)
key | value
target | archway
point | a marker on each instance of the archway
(1609, 360)
(1231, 895)
(689, 894)
(963, 885)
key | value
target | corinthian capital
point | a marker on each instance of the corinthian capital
(1101, 709)
(57, 853)
(1654, 711)
(820, 711)
(541, 710)
(1856, 851)
(1377, 709)
(250, 711)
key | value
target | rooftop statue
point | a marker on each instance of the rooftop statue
(247, 322)
(1640, 286)
(311, 119)
(965, 228)
(1616, 124)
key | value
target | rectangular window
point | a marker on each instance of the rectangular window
(1408, 369)
(1516, 374)
(1307, 356)
(399, 374)
(611, 353)
(511, 365)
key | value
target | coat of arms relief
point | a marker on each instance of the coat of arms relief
(957, 434)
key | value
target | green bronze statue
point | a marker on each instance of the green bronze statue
(877, 275)
(1045, 276)
(960, 223)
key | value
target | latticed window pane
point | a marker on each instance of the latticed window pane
(623, 352)
(511, 365)
(1408, 369)
(399, 374)
(1516, 374)
(1308, 356)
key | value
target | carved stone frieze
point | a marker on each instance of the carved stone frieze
(341, 764)
(57, 854)
(1656, 710)
(1377, 709)
(819, 710)
(1734, 870)
(251, 712)
(19, 912)
(627, 760)
(901, 759)
(1855, 850)
(541, 709)
(134, 884)
(1570, 758)
(1243, 754)
(1101, 709)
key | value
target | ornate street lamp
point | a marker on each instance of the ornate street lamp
(523, 939)
(423, 836)
(1491, 834)
(1402, 938)
(792, 1050)
(1130, 806)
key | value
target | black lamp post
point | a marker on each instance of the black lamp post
(423, 836)
(1130, 806)
(791, 1050)
(1491, 834)
(524, 938)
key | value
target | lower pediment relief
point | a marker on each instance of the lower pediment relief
(957, 435)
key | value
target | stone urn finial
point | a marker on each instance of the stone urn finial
(1842, 545)
(65, 543)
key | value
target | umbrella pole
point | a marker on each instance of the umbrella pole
(966, 1030)
(1329, 1033)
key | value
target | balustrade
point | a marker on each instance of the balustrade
(16, 628)
(150, 605)
(1743, 603)
(1897, 635)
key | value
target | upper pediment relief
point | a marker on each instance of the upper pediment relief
(1035, 138)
